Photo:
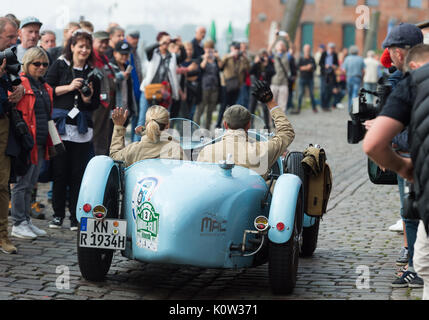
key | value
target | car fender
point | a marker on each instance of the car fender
(283, 205)
(93, 184)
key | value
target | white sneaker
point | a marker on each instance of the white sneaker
(397, 227)
(23, 231)
(340, 106)
(38, 232)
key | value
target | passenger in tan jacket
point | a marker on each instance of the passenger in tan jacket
(258, 156)
(155, 142)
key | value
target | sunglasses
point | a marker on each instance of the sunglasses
(38, 64)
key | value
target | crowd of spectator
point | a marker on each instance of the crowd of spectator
(190, 79)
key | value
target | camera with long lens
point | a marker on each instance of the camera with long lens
(94, 74)
(363, 111)
(13, 67)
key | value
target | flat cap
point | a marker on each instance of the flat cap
(237, 117)
(29, 20)
(404, 35)
(101, 35)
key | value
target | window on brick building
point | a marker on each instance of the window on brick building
(371, 3)
(349, 35)
(350, 2)
(307, 34)
(414, 3)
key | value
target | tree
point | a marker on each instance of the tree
(292, 17)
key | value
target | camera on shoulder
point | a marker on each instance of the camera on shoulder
(363, 111)
(13, 67)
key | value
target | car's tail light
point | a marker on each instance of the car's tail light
(280, 226)
(99, 212)
(87, 208)
(261, 223)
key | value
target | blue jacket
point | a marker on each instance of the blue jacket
(60, 116)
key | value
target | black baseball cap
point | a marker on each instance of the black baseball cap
(123, 47)
(404, 35)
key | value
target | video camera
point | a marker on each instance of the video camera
(13, 67)
(363, 111)
(94, 74)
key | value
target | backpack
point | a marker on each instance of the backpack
(318, 182)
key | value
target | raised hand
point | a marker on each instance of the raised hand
(261, 90)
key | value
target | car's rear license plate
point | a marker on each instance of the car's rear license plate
(103, 234)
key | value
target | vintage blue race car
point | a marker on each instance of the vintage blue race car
(190, 213)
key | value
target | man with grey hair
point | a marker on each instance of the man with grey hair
(354, 66)
(29, 33)
(258, 156)
(372, 69)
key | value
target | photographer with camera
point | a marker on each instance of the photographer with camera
(8, 37)
(262, 69)
(234, 66)
(76, 95)
(391, 121)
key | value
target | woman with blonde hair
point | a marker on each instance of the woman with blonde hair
(36, 107)
(155, 142)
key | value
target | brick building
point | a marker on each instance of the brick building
(326, 21)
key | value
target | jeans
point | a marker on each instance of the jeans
(230, 99)
(410, 225)
(243, 98)
(21, 191)
(338, 97)
(327, 94)
(306, 83)
(144, 105)
(353, 86)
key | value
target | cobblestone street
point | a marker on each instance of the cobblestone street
(353, 237)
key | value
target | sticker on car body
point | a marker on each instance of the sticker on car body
(144, 213)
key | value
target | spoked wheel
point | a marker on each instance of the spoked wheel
(95, 263)
(309, 239)
(283, 258)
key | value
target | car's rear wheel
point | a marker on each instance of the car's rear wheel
(283, 258)
(309, 239)
(95, 263)
(294, 166)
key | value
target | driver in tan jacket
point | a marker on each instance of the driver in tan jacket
(258, 156)
(155, 143)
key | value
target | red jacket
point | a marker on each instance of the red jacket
(26, 106)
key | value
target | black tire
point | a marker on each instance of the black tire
(309, 239)
(94, 264)
(294, 166)
(283, 258)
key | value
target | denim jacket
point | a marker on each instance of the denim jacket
(60, 116)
